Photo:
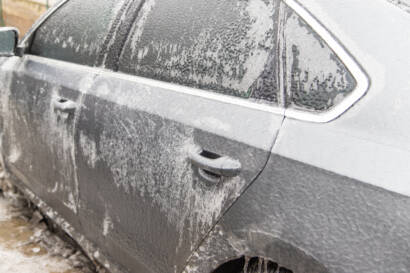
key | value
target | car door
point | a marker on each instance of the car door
(165, 150)
(40, 95)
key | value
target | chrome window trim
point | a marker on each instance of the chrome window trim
(362, 80)
(191, 91)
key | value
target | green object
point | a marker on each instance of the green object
(47, 5)
(2, 24)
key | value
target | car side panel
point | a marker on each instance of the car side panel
(336, 191)
(37, 139)
(370, 142)
(311, 220)
(139, 190)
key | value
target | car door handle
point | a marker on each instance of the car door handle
(64, 105)
(220, 165)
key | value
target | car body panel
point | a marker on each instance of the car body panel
(333, 196)
(37, 139)
(336, 191)
(125, 146)
(370, 141)
(100, 141)
(311, 220)
(135, 137)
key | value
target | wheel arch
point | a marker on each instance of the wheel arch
(222, 247)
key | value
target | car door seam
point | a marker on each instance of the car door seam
(206, 236)
(75, 137)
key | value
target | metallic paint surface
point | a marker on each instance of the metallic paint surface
(369, 142)
(126, 146)
(336, 191)
(334, 196)
(312, 220)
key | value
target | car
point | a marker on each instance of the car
(216, 136)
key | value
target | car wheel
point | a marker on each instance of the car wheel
(251, 265)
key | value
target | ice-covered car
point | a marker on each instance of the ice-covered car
(216, 136)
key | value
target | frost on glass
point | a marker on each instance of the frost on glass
(77, 31)
(223, 46)
(316, 80)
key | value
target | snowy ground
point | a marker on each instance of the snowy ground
(23, 248)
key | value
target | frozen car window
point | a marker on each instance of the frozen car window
(316, 78)
(77, 31)
(222, 46)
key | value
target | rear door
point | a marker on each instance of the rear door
(165, 150)
(41, 96)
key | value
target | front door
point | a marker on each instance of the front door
(160, 160)
(41, 96)
(39, 111)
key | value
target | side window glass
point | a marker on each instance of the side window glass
(222, 46)
(77, 31)
(316, 79)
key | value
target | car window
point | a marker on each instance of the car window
(77, 31)
(223, 46)
(316, 79)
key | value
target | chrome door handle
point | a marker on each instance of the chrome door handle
(220, 165)
(64, 105)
